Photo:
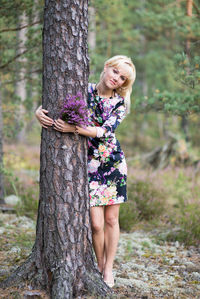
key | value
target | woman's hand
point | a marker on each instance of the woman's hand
(44, 120)
(62, 126)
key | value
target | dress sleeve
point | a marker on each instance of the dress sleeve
(115, 118)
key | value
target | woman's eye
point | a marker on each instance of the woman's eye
(123, 78)
(115, 71)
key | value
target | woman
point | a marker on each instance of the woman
(108, 104)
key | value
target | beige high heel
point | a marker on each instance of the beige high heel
(110, 284)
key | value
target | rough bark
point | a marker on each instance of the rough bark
(1, 153)
(62, 260)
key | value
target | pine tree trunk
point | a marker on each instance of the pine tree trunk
(1, 153)
(62, 259)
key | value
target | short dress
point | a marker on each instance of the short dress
(107, 169)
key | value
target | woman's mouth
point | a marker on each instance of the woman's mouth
(113, 83)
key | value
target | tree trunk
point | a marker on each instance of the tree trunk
(62, 260)
(20, 87)
(184, 118)
(1, 153)
(92, 30)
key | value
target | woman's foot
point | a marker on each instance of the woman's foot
(110, 284)
(108, 278)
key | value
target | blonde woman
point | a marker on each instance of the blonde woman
(108, 104)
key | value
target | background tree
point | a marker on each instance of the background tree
(21, 49)
(153, 39)
(1, 155)
(20, 85)
(62, 260)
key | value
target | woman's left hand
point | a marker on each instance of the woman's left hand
(62, 126)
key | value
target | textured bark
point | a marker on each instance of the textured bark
(62, 259)
(1, 153)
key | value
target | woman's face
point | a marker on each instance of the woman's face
(114, 77)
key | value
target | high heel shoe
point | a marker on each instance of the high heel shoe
(109, 283)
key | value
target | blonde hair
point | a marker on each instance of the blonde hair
(126, 89)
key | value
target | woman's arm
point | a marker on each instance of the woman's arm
(64, 127)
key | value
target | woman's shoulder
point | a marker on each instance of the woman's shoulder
(91, 87)
(118, 98)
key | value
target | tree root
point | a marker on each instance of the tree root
(24, 272)
(61, 284)
(95, 285)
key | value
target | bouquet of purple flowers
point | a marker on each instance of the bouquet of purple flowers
(75, 111)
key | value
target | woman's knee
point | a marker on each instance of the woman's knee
(97, 226)
(112, 220)
(97, 219)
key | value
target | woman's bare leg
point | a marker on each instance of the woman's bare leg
(111, 239)
(97, 221)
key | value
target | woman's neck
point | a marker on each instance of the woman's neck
(103, 90)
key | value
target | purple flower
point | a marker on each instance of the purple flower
(74, 110)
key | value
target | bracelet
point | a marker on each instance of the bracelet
(76, 131)
(100, 132)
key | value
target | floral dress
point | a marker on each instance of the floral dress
(107, 170)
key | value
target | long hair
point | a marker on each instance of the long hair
(126, 89)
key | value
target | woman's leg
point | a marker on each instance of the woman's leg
(97, 222)
(111, 239)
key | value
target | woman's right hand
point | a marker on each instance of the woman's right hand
(44, 120)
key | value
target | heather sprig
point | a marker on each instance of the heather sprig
(74, 110)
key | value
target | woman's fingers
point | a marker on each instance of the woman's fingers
(58, 126)
(44, 110)
(44, 119)
(46, 127)
(60, 121)
(47, 119)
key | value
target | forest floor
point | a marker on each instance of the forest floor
(144, 267)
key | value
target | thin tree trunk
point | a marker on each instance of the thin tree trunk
(1, 153)
(92, 29)
(62, 261)
(92, 34)
(20, 88)
(32, 92)
(184, 119)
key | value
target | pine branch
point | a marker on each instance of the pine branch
(22, 79)
(196, 7)
(11, 60)
(19, 28)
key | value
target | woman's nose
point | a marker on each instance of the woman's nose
(116, 77)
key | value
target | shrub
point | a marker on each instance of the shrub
(128, 215)
(29, 202)
(189, 225)
(145, 203)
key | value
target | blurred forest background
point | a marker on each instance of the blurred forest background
(161, 135)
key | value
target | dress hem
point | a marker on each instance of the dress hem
(115, 203)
